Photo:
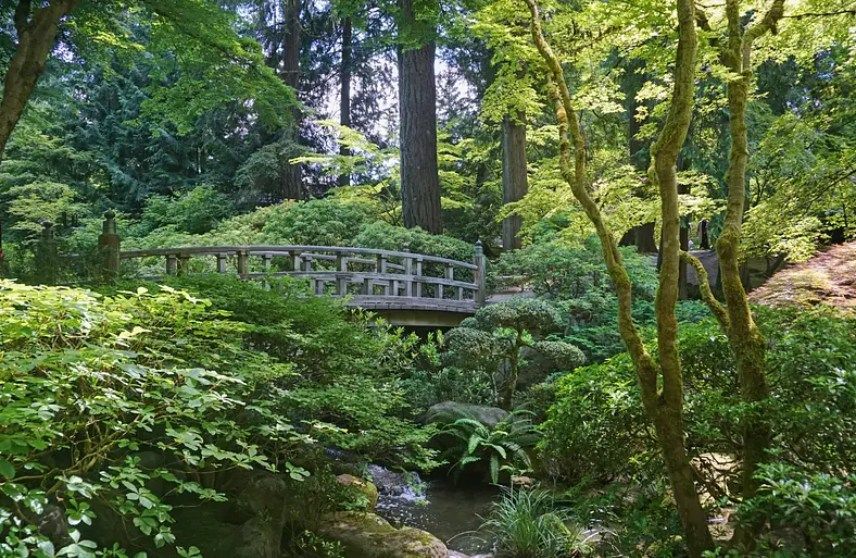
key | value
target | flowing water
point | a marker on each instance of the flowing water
(449, 512)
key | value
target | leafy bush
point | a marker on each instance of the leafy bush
(503, 449)
(819, 508)
(596, 428)
(559, 271)
(318, 335)
(346, 366)
(90, 385)
(390, 237)
(575, 280)
(507, 338)
(528, 523)
(196, 211)
(364, 416)
(95, 386)
(320, 222)
(428, 382)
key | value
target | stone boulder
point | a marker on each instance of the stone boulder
(367, 535)
(448, 412)
(360, 488)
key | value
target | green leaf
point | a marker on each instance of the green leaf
(7, 469)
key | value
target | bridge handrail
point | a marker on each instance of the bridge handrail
(389, 279)
(288, 250)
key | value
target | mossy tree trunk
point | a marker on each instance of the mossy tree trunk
(746, 341)
(663, 406)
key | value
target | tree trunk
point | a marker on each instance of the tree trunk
(642, 236)
(292, 187)
(417, 100)
(668, 404)
(747, 343)
(684, 238)
(36, 36)
(663, 406)
(345, 72)
(514, 179)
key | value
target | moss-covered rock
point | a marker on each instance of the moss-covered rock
(367, 535)
(361, 489)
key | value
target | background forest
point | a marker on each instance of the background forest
(202, 415)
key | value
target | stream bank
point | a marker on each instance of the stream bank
(452, 513)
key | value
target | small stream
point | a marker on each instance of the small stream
(449, 512)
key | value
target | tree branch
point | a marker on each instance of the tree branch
(768, 23)
(576, 177)
(820, 14)
(707, 296)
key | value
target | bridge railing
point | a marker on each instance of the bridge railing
(368, 275)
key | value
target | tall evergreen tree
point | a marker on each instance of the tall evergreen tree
(417, 94)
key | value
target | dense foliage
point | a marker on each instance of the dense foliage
(596, 431)
(179, 386)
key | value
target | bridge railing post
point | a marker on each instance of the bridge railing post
(418, 293)
(47, 258)
(408, 275)
(480, 274)
(109, 245)
(221, 262)
(243, 263)
(183, 264)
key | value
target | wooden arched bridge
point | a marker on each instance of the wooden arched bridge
(405, 287)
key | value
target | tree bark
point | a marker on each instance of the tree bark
(345, 73)
(36, 37)
(669, 405)
(747, 343)
(642, 236)
(417, 103)
(515, 182)
(663, 406)
(292, 186)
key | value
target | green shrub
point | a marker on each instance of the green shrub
(528, 523)
(575, 280)
(506, 339)
(390, 237)
(428, 382)
(816, 513)
(320, 336)
(195, 211)
(366, 417)
(347, 367)
(559, 271)
(255, 377)
(320, 222)
(90, 385)
(596, 428)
